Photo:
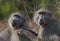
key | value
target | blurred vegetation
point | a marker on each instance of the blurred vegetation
(54, 6)
(28, 6)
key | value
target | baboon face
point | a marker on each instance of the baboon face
(18, 21)
(42, 18)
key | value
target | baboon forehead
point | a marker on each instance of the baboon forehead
(18, 14)
(42, 11)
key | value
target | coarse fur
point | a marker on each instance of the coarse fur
(49, 27)
(14, 33)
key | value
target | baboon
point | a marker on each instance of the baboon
(18, 29)
(49, 27)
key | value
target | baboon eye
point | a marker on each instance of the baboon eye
(42, 13)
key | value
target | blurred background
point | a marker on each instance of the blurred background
(28, 6)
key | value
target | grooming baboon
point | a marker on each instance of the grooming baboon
(18, 29)
(49, 27)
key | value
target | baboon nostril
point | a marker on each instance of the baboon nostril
(13, 20)
(40, 19)
(13, 23)
(41, 22)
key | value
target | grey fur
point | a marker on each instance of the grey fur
(50, 28)
(12, 34)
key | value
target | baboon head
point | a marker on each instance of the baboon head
(16, 20)
(42, 17)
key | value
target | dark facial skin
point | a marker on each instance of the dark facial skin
(45, 18)
(18, 21)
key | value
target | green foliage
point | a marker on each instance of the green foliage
(28, 6)
(43, 3)
(6, 6)
(53, 6)
(4, 9)
(52, 2)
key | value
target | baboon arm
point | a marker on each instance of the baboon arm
(14, 36)
(2, 39)
(5, 35)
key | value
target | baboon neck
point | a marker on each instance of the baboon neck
(25, 28)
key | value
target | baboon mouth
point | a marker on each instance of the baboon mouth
(43, 24)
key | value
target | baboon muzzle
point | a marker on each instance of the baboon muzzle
(18, 22)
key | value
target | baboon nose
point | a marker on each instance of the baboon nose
(14, 20)
(41, 20)
(13, 23)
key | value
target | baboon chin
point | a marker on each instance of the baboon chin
(49, 27)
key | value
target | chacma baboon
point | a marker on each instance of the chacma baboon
(49, 27)
(18, 29)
